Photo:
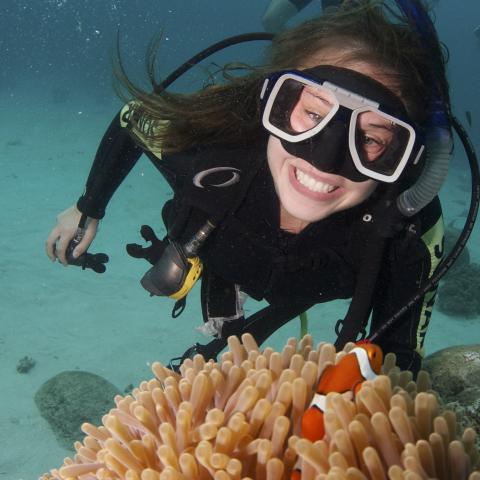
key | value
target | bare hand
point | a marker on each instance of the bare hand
(66, 228)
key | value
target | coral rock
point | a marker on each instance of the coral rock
(71, 398)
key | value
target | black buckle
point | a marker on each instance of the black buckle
(175, 362)
(338, 326)
(362, 331)
(209, 352)
(179, 307)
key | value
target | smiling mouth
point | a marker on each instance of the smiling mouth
(312, 184)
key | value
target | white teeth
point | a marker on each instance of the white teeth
(312, 184)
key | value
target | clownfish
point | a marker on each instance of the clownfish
(362, 363)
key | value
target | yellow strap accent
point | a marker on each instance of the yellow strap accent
(433, 240)
(145, 125)
(193, 275)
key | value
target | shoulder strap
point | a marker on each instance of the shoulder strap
(381, 222)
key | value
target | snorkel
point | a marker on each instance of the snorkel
(439, 147)
(439, 141)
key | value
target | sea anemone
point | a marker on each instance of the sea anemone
(240, 419)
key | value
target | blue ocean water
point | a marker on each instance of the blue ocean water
(56, 100)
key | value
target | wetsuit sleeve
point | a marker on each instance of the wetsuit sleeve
(410, 263)
(116, 155)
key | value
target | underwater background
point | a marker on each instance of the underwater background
(56, 100)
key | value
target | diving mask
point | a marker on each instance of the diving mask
(341, 121)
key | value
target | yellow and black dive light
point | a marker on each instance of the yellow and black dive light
(179, 267)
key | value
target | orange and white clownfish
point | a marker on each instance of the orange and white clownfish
(362, 363)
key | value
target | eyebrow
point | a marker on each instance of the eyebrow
(390, 127)
(313, 92)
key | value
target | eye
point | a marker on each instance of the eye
(372, 142)
(315, 117)
(372, 146)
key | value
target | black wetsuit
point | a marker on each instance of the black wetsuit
(249, 252)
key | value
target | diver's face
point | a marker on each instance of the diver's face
(306, 193)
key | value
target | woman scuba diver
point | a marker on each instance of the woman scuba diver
(298, 183)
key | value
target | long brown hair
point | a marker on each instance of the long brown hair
(367, 31)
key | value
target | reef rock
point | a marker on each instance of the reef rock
(451, 236)
(71, 398)
(455, 374)
(458, 294)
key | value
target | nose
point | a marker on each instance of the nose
(328, 152)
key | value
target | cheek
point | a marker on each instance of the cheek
(364, 189)
(275, 156)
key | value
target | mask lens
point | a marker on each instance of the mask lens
(301, 107)
(381, 141)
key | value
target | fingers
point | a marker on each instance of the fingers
(61, 248)
(87, 239)
(60, 237)
(56, 245)
(81, 248)
(51, 243)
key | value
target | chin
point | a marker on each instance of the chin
(305, 215)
